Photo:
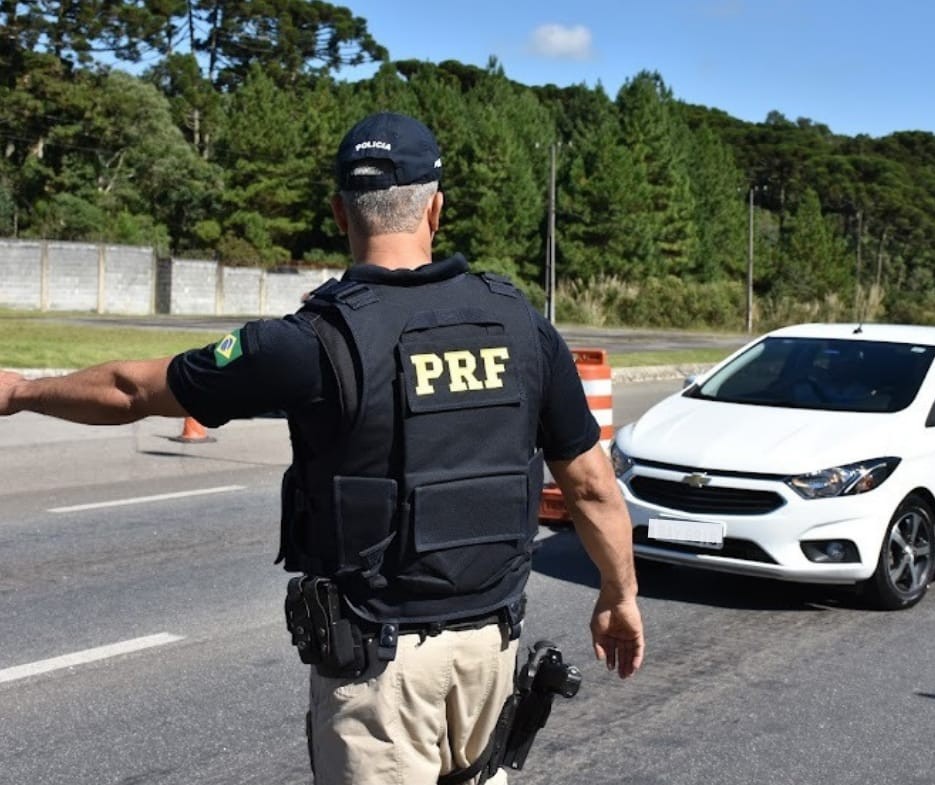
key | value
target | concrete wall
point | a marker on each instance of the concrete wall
(193, 287)
(59, 276)
(240, 291)
(20, 274)
(129, 280)
(73, 277)
(284, 290)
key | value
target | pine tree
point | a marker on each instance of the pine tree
(260, 151)
(603, 194)
(650, 132)
(718, 190)
(815, 259)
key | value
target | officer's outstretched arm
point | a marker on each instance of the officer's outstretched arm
(108, 394)
(599, 512)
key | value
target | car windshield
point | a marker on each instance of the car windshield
(821, 373)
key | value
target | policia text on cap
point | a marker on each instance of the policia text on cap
(422, 400)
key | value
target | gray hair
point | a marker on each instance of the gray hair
(397, 209)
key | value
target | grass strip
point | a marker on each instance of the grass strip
(33, 343)
(702, 356)
(27, 340)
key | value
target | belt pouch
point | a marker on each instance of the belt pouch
(341, 647)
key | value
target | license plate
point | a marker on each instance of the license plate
(706, 534)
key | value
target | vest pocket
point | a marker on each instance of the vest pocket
(293, 508)
(364, 509)
(468, 535)
(470, 512)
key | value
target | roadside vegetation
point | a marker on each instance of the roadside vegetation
(217, 142)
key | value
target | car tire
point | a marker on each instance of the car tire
(904, 567)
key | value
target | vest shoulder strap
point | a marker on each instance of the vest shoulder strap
(353, 294)
(330, 329)
(500, 284)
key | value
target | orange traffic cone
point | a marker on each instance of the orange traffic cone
(192, 431)
(597, 380)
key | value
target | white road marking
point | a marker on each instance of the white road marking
(86, 656)
(145, 499)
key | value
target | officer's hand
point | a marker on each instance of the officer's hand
(617, 632)
(8, 380)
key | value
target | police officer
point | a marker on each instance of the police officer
(421, 401)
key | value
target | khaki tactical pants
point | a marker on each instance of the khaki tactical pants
(405, 722)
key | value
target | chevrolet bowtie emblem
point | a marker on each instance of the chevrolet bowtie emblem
(696, 480)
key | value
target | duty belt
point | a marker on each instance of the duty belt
(386, 634)
(335, 640)
(511, 616)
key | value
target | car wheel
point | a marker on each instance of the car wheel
(904, 568)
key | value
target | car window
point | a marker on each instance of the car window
(818, 373)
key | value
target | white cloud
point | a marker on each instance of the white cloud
(559, 41)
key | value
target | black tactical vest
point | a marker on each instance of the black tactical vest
(422, 498)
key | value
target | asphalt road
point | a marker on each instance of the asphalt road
(746, 682)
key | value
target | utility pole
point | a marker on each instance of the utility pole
(750, 267)
(550, 241)
(860, 232)
(754, 189)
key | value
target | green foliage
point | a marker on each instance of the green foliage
(238, 252)
(197, 108)
(319, 258)
(719, 216)
(249, 240)
(7, 210)
(495, 200)
(129, 229)
(815, 260)
(777, 310)
(68, 217)
(593, 301)
(915, 302)
(652, 135)
(208, 232)
(259, 153)
(288, 38)
(603, 190)
(224, 148)
(653, 302)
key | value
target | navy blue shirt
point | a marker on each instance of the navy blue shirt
(278, 365)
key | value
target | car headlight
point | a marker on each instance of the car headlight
(620, 460)
(847, 480)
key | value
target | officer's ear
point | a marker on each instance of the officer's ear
(339, 212)
(435, 211)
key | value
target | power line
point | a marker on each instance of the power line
(56, 144)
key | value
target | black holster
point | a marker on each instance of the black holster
(321, 630)
(524, 713)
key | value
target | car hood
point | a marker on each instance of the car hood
(714, 435)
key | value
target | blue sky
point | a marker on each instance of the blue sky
(863, 66)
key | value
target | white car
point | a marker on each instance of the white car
(808, 455)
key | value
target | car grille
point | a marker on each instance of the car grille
(713, 500)
(733, 547)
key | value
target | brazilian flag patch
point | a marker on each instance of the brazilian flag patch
(228, 349)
